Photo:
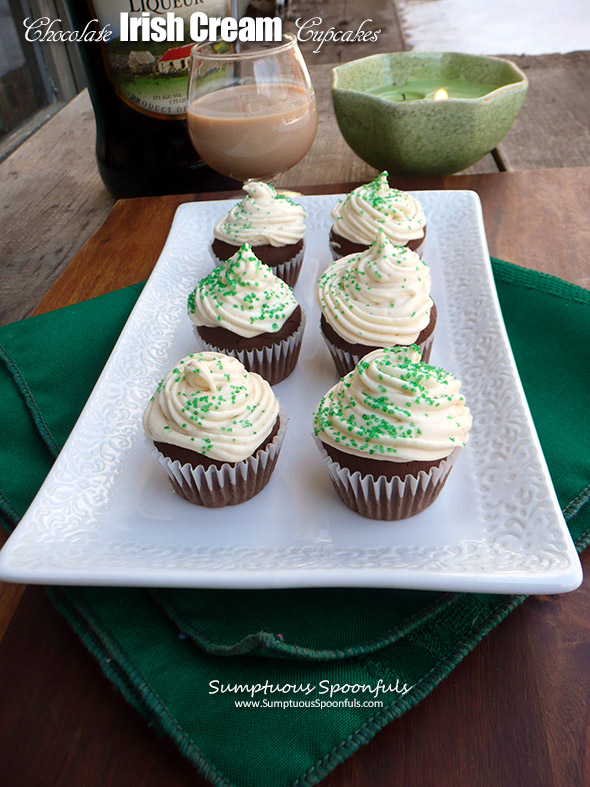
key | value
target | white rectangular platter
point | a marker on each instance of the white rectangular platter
(106, 516)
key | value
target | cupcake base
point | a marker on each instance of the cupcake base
(228, 483)
(346, 355)
(285, 261)
(342, 247)
(388, 497)
(271, 356)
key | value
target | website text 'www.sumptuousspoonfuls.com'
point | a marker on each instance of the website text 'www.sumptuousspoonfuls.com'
(317, 703)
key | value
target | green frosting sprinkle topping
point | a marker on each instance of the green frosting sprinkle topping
(379, 408)
(256, 215)
(384, 199)
(243, 295)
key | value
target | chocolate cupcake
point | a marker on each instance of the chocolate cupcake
(217, 429)
(269, 222)
(377, 298)
(361, 214)
(243, 309)
(390, 432)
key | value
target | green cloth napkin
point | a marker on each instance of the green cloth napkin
(163, 648)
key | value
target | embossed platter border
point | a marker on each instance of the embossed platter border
(104, 516)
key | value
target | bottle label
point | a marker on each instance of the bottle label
(151, 77)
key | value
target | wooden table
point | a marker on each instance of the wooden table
(515, 711)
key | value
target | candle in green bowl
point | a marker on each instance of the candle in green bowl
(387, 108)
(418, 89)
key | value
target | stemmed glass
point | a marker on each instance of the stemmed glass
(251, 107)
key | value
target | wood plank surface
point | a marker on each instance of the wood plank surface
(330, 160)
(553, 127)
(51, 201)
(514, 712)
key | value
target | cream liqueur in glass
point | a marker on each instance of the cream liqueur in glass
(251, 114)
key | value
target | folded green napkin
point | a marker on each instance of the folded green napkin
(166, 649)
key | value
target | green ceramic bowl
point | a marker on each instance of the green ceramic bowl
(425, 137)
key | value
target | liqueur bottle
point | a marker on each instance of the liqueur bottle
(138, 92)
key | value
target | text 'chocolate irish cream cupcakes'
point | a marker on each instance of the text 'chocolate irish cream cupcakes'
(377, 298)
(217, 429)
(361, 214)
(271, 223)
(390, 432)
(241, 308)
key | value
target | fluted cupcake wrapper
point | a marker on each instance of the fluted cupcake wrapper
(230, 484)
(345, 361)
(388, 499)
(287, 271)
(335, 249)
(337, 254)
(274, 362)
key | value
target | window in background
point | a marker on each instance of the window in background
(36, 79)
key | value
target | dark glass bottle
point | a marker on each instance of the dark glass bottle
(138, 92)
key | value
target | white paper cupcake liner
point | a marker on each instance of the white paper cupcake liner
(335, 249)
(230, 484)
(345, 361)
(388, 499)
(287, 271)
(274, 362)
(420, 248)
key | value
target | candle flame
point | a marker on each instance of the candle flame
(441, 94)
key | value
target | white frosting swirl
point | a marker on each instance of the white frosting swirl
(262, 218)
(242, 295)
(374, 206)
(379, 297)
(210, 404)
(394, 408)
